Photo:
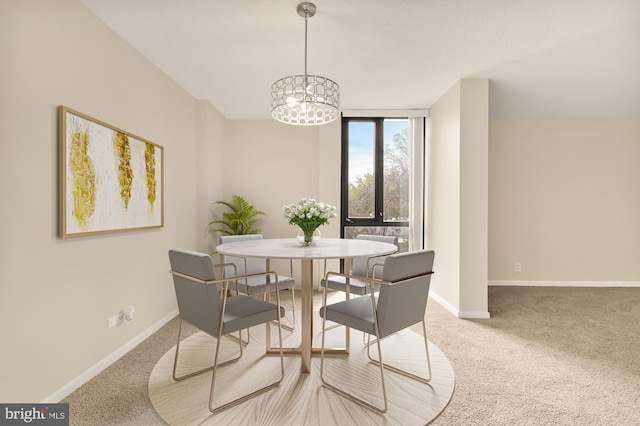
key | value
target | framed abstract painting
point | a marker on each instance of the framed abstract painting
(109, 180)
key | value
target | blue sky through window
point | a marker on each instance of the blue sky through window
(362, 144)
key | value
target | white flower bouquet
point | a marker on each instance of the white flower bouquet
(309, 214)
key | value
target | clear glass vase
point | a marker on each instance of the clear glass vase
(308, 238)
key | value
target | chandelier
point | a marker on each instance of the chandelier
(305, 100)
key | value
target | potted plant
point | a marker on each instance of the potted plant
(241, 220)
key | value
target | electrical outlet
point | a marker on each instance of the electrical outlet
(518, 267)
(128, 312)
(113, 321)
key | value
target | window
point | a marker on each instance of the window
(376, 178)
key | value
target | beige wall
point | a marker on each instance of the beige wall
(474, 197)
(565, 200)
(271, 164)
(442, 230)
(56, 295)
(261, 163)
(457, 197)
(210, 142)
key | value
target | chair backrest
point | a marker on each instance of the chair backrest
(404, 304)
(198, 304)
(254, 265)
(359, 264)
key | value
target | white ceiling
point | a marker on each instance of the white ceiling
(544, 58)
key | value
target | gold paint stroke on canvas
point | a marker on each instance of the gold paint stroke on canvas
(84, 178)
(125, 174)
(150, 165)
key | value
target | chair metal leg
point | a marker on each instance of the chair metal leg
(342, 392)
(239, 338)
(378, 362)
(347, 297)
(293, 304)
(293, 294)
(195, 373)
(404, 372)
(293, 312)
(254, 393)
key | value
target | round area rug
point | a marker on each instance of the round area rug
(301, 399)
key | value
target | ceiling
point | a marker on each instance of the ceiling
(544, 58)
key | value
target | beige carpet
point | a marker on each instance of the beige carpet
(547, 356)
(300, 398)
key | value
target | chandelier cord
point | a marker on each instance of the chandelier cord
(306, 16)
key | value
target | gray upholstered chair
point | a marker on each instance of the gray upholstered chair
(203, 302)
(361, 267)
(252, 265)
(401, 302)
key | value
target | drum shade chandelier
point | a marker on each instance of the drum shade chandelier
(305, 100)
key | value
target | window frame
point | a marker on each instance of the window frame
(378, 219)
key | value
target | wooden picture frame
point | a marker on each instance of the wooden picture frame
(109, 180)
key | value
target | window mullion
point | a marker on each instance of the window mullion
(379, 168)
(344, 204)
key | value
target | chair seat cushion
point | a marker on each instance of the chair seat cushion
(243, 312)
(353, 313)
(356, 286)
(258, 285)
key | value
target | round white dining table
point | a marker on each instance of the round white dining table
(290, 248)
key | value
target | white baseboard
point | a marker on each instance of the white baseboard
(93, 371)
(460, 314)
(443, 302)
(564, 283)
(474, 315)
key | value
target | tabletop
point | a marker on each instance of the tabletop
(290, 248)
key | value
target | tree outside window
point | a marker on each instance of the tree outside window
(376, 177)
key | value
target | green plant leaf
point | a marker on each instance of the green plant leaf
(241, 220)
